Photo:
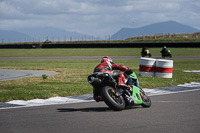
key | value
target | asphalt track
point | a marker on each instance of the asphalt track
(10, 74)
(170, 113)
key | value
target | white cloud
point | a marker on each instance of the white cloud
(96, 17)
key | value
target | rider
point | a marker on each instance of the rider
(145, 51)
(144, 48)
(106, 65)
(164, 50)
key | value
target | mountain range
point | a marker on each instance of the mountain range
(156, 28)
(40, 34)
(55, 34)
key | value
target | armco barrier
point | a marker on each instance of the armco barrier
(164, 68)
(121, 45)
(20, 46)
(151, 67)
(103, 45)
(147, 66)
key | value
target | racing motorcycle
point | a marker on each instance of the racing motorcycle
(166, 54)
(146, 53)
(114, 96)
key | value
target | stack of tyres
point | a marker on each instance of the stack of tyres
(147, 67)
(150, 67)
(164, 68)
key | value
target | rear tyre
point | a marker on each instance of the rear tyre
(114, 102)
(146, 101)
(142, 55)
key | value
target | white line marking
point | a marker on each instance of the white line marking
(194, 86)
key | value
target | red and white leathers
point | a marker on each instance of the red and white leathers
(107, 66)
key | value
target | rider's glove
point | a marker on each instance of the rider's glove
(129, 72)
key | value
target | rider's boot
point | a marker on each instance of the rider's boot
(122, 84)
(128, 89)
(129, 100)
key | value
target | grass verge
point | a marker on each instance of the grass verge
(93, 52)
(72, 79)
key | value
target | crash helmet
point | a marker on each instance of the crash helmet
(106, 58)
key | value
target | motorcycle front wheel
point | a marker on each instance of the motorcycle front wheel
(146, 101)
(116, 103)
(149, 54)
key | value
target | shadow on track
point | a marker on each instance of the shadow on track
(96, 109)
(99, 109)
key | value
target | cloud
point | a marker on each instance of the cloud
(96, 17)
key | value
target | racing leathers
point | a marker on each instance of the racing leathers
(107, 67)
(164, 51)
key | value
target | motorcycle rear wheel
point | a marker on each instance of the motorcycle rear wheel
(116, 103)
(143, 55)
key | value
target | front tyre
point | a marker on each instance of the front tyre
(146, 101)
(114, 102)
(149, 54)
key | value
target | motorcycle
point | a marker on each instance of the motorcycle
(146, 53)
(166, 54)
(114, 96)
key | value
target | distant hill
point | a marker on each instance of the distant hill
(156, 28)
(54, 34)
(41, 34)
(12, 36)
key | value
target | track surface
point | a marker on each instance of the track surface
(11, 74)
(169, 113)
(92, 58)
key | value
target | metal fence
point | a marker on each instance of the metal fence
(93, 38)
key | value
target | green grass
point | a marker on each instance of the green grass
(72, 79)
(93, 52)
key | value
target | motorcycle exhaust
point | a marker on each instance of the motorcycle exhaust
(94, 81)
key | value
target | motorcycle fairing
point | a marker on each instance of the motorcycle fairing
(133, 81)
(136, 95)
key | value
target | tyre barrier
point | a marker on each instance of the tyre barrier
(151, 67)
(164, 68)
(147, 67)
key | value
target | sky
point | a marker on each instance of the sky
(96, 17)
